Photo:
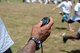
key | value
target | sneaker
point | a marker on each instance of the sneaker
(62, 20)
(65, 38)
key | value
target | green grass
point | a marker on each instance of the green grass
(19, 19)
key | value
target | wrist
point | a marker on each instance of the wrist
(37, 42)
(32, 42)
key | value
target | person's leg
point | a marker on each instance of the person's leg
(33, 1)
(23, 1)
(79, 30)
(69, 24)
(65, 17)
(40, 1)
(49, 0)
(70, 27)
(78, 21)
(76, 37)
(28, 1)
(67, 20)
(71, 37)
(8, 51)
(55, 1)
(46, 1)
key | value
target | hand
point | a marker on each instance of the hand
(77, 13)
(43, 32)
(40, 32)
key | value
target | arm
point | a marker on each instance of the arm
(76, 8)
(77, 13)
(41, 33)
(59, 6)
(29, 47)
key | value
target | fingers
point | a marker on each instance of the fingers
(39, 24)
(47, 35)
(51, 22)
(43, 32)
(49, 25)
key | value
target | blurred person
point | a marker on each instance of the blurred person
(23, 1)
(71, 37)
(33, 1)
(57, 1)
(40, 1)
(66, 7)
(75, 18)
(46, 1)
(76, 15)
(5, 39)
(27, 1)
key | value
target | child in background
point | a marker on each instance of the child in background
(66, 6)
(76, 15)
(75, 18)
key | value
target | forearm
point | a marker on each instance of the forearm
(77, 14)
(29, 48)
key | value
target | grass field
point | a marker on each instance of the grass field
(19, 19)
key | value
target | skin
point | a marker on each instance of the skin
(42, 33)
(58, 7)
(69, 25)
(77, 15)
(74, 37)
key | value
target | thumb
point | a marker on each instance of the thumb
(39, 24)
